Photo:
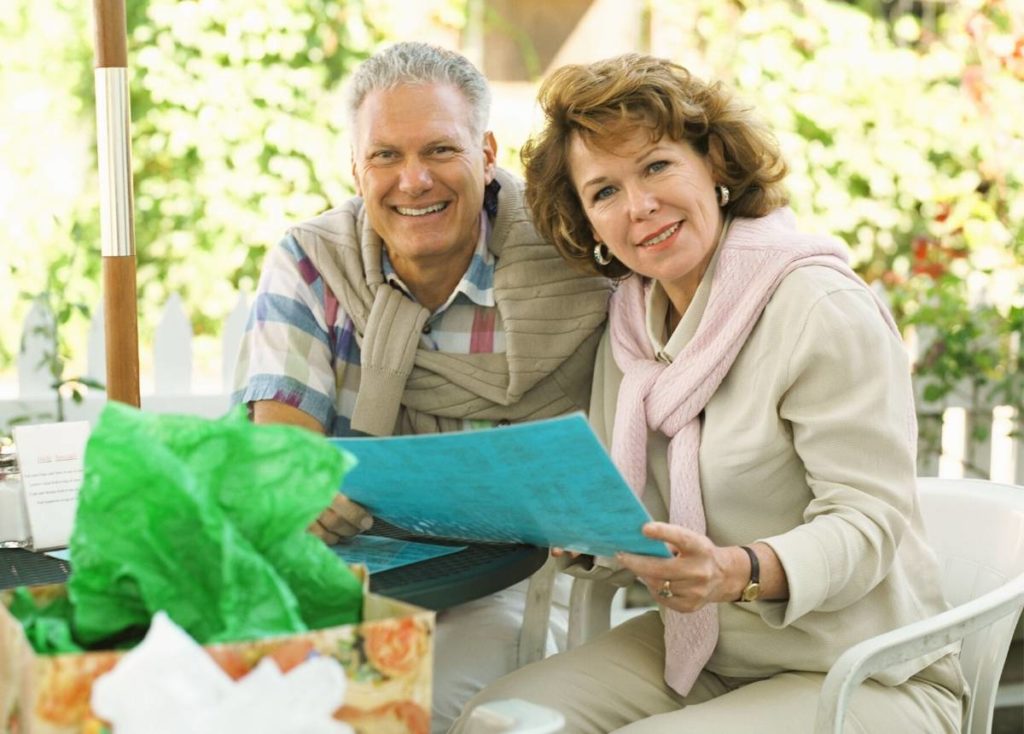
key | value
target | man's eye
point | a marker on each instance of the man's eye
(383, 155)
(444, 150)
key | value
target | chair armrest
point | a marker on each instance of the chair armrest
(906, 643)
(533, 635)
(590, 610)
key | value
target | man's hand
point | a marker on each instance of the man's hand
(342, 520)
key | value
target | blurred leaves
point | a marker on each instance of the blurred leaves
(238, 130)
(905, 139)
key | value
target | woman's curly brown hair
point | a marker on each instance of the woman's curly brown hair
(604, 102)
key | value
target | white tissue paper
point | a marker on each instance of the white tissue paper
(169, 684)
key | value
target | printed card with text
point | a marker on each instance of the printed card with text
(50, 457)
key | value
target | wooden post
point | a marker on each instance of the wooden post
(117, 222)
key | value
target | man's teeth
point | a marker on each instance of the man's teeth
(408, 212)
(661, 237)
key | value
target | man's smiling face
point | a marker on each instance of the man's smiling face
(422, 170)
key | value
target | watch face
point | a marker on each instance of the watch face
(752, 591)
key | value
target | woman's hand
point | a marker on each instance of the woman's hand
(699, 572)
(342, 520)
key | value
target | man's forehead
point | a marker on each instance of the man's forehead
(419, 99)
(421, 112)
(378, 138)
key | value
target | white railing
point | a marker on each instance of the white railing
(999, 457)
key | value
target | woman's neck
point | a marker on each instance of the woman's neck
(680, 293)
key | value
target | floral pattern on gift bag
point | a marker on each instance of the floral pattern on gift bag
(395, 717)
(65, 686)
(387, 663)
(387, 659)
(394, 647)
(389, 670)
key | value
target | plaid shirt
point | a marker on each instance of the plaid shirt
(300, 348)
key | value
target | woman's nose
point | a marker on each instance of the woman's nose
(642, 204)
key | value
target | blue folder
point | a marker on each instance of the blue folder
(547, 483)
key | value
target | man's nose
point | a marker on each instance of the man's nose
(642, 203)
(415, 177)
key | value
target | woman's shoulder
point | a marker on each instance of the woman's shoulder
(824, 301)
(811, 283)
(807, 288)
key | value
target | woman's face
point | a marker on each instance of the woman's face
(653, 204)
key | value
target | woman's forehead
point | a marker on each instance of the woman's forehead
(623, 140)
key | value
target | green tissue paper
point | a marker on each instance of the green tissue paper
(206, 520)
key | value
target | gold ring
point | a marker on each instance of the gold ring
(665, 592)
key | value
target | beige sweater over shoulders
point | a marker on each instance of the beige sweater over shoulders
(804, 446)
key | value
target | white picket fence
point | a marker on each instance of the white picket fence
(999, 457)
(169, 388)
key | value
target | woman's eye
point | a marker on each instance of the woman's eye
(657, 167)
(604, 193)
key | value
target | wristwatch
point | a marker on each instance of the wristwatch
(753, 588)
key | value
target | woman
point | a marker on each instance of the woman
(756, 395)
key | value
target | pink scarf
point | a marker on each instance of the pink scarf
(756, 255)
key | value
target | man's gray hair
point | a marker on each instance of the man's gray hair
(412, 62)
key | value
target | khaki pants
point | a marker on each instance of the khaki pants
(615, 684)
(478, 642)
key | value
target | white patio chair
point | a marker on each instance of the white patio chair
(976, 528)
(533, 635)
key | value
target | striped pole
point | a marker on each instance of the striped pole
(117, 221)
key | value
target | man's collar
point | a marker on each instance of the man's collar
(491, 198)
(477, 283)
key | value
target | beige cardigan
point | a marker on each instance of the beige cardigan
(804, 447)
(552, 316)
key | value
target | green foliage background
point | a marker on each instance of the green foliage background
(906, 139)
(237, 130)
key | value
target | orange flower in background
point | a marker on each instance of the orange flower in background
(394, 717)
(394, 647)
(931, 257)
(973, 83)
(1014, 62)
(924, 262)
(67, 685)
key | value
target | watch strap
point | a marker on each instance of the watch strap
(753, 587)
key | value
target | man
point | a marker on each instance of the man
(427, 303)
